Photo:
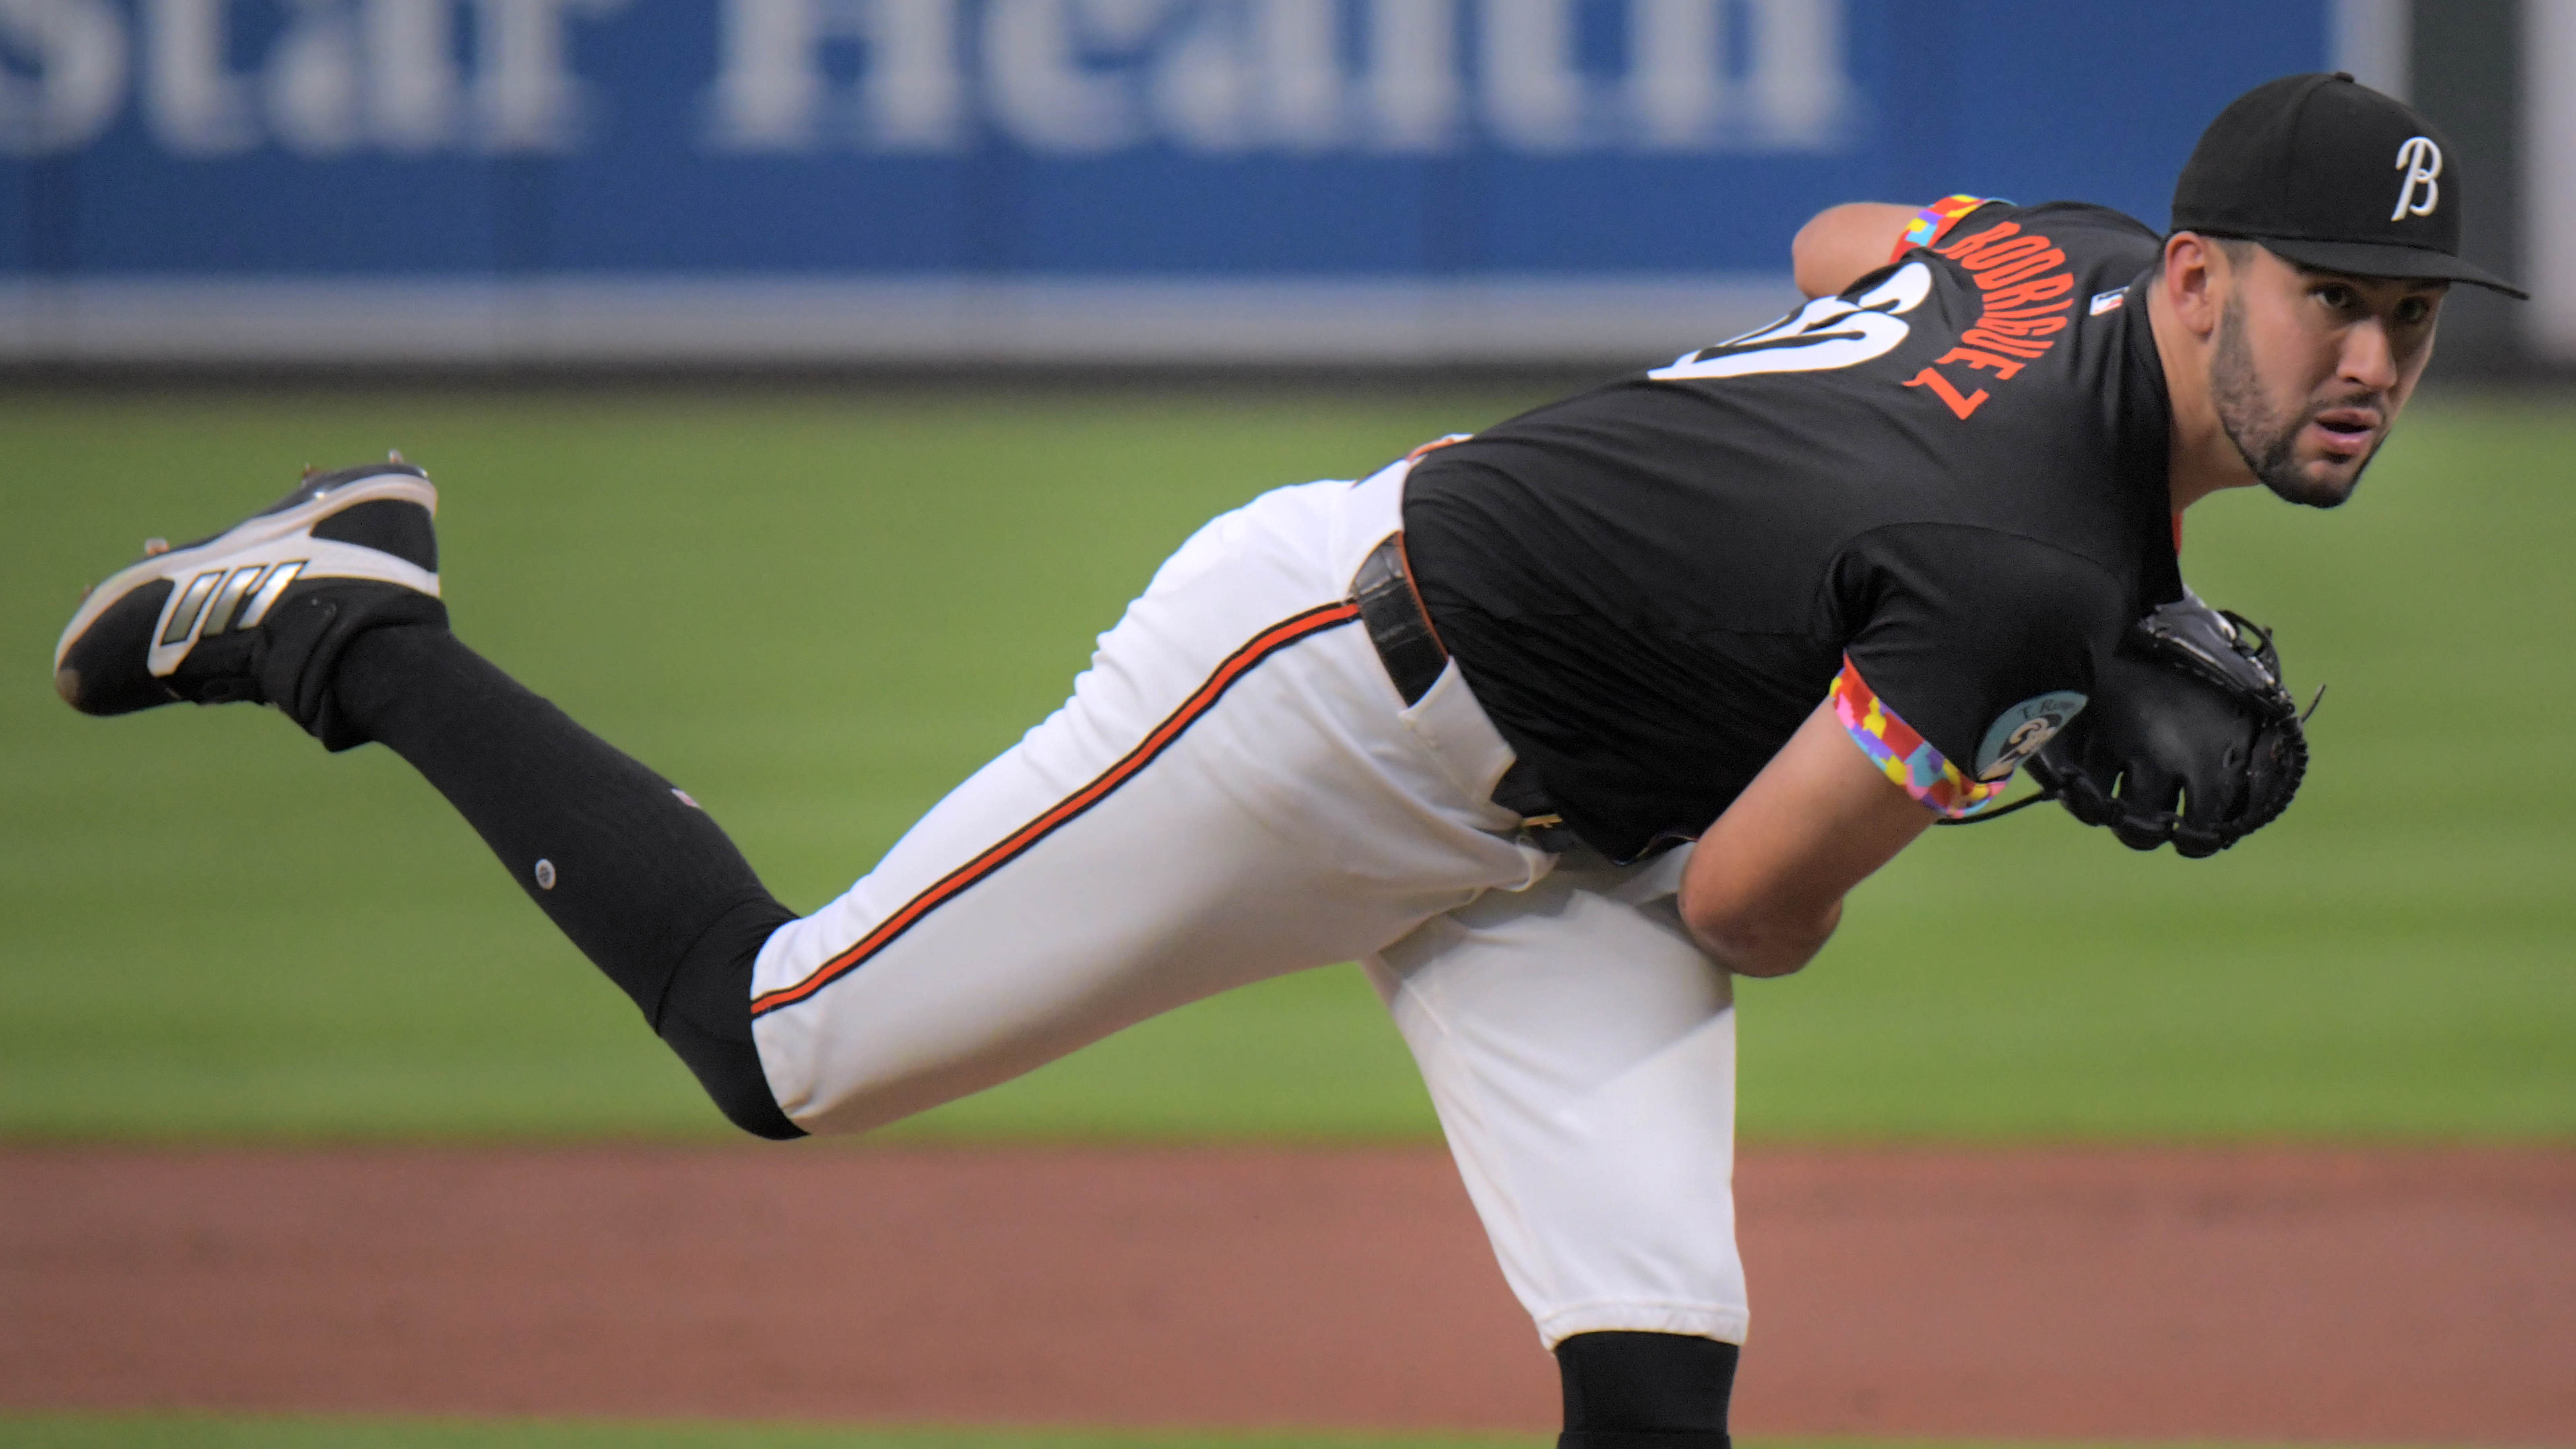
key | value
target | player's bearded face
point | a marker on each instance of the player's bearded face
(2309, 370)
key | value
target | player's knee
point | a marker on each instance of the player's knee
(705, 1018)
(728, 1067)
(747, 1103)
(1645, 1391)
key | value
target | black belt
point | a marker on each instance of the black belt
(1397, 623)
(1400, 627)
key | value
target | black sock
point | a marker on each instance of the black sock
(628, 867)
(1645, 1391)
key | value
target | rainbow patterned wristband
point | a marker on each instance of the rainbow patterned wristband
(1903, 755)
(1932, 221)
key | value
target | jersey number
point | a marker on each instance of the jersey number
(1828, 332)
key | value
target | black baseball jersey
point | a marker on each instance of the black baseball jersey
(1935, 499)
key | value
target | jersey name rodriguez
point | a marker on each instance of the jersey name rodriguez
(1934, 500)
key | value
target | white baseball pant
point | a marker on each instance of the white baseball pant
(1235, 791)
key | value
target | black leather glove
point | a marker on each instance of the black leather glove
(2189, 736)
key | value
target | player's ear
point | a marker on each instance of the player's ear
(2193, 280)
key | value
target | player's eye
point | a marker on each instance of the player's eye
(2337, 297)
(2414, 311)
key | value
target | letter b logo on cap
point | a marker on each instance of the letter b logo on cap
(2421, 160)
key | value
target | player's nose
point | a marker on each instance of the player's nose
(2369, 359)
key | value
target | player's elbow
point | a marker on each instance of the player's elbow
(1841, 244)
(1807, 258)
(1819, 254)
(1759, 938)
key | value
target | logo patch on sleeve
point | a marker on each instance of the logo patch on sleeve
(2018, 732)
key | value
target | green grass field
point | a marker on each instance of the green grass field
(818, 608)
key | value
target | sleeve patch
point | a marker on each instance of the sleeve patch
(2018, 732)
(1903, 755)
(1933, 222)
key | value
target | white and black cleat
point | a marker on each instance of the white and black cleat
(261, 611)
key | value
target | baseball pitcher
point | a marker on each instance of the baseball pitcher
(1557, 728)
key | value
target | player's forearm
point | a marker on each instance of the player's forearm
(1770, 943)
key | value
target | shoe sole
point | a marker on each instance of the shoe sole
(231, 580)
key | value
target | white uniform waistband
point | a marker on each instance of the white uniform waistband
(1373, 509)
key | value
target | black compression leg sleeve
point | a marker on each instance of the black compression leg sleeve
(641, 880)
(1645, 1391)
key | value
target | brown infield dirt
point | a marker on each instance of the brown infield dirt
(2424, 1296)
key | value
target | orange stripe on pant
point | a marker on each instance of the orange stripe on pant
(1270, 641)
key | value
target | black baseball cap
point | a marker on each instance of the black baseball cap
(2328, 173)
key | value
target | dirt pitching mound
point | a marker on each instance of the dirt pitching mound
(2400, 1296)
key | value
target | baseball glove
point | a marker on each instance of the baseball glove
(2190, 735)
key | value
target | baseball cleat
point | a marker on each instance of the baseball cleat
(261, 611)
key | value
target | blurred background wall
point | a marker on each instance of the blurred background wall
(407, 183)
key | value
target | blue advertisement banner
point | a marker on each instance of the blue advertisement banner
(1015, 154)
